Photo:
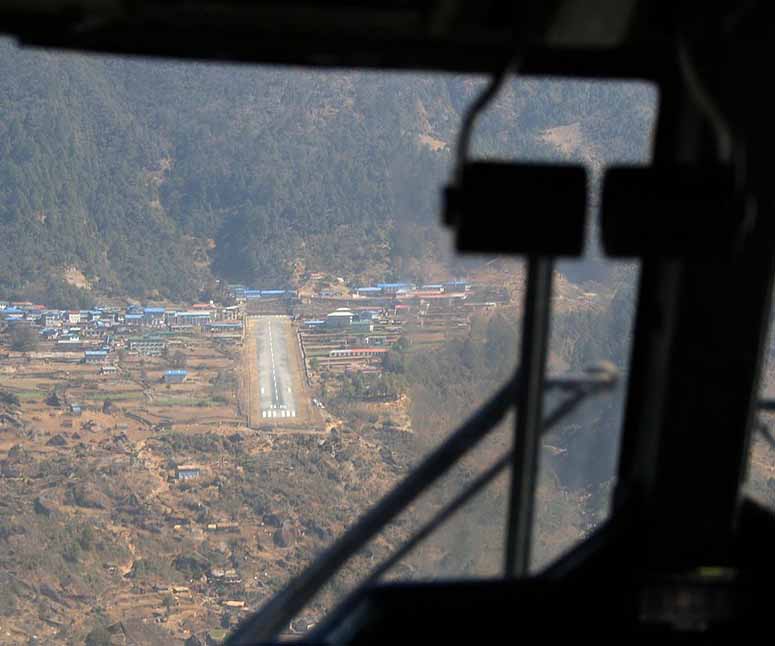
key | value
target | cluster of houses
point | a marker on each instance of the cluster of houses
(142, 330)
(358, 335)
(347, 336)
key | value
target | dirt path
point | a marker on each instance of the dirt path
(126, 568)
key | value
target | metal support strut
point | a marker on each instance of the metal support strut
(535, 336)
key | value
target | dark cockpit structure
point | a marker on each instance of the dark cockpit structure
(684, 555)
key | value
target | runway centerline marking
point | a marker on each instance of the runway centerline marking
(277, 396)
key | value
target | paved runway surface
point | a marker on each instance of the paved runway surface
(274, 378)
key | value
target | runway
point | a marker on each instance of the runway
(276, 395)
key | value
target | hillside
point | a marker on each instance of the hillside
(101, 532)
(150, 178)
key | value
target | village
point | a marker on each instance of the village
(337, 332)
(164, 364)
(150, 405)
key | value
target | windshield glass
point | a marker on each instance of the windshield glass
(230, 321)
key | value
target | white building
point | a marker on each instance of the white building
(341, 317)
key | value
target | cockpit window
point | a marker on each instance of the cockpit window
(231, 321)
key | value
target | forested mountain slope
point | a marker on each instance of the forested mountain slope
(150, 178)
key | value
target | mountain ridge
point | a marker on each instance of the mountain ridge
(151, 178)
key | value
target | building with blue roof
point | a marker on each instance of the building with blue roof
(392, 288)
(154, 316)
(175, 376)
(95, 356)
